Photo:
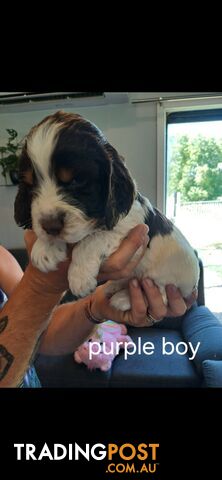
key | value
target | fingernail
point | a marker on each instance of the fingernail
(172, 288)
(146, 240)
(143, 230)
(148, 282)
(135, 283)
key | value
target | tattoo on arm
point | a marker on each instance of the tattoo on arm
(6, 360)
(3, 323)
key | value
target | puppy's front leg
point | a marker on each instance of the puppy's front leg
(46, 255)
(84, 268)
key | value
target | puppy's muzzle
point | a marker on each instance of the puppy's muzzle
(53, 225)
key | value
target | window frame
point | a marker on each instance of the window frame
(163, 109)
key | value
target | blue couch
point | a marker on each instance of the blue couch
(156, 370)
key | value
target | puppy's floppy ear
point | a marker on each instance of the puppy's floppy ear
(121, 189)
(22, 207)
(23, 200)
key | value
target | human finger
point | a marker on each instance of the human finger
(156, 306)
(138, 304)
(176, 303)
(30, 238)
(191, 299)
(122, 262)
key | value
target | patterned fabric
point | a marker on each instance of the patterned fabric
(31, 379)
(3, 299)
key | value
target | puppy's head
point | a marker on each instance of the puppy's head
(71, 180)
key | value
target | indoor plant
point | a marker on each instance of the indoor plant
(9, 156)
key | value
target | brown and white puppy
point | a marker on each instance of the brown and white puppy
(75, 188)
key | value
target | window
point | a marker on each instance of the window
(193, 188)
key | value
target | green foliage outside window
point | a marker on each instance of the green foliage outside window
(9, 155)
(196, 168)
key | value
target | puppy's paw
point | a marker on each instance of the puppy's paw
(46, 256)
(121, 300)
(80, 283)
(115, 286)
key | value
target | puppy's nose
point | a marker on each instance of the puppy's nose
(53, 225)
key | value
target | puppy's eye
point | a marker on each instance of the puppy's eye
(65, 175)
(69, 176)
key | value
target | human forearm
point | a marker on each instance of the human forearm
(69, 327)
(22, 321)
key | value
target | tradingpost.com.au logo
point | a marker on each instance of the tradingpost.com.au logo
(124, 458)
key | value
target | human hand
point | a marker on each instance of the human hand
(122, 262)
(176, 304)
(144, 298)
(51, 282)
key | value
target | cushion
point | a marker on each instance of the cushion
(200, 325)
(212, 370)
(157, 370)
(62, 371)
(138, 370)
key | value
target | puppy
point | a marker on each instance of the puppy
(75, 188)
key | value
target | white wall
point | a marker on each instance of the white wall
(130, 128)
